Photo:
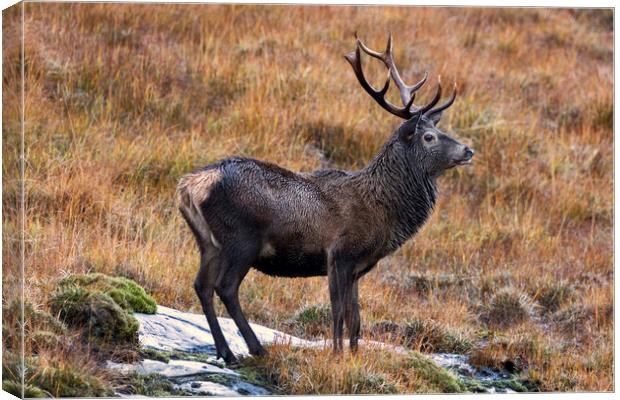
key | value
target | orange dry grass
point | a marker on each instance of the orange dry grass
(370, 371)
(123, 99)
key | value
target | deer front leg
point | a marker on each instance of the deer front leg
(352, 317)
(340, 285)
(337, 312)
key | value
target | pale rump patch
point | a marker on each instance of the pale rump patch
(196, 187)
(193, 189)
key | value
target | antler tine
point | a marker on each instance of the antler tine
(406, 92)
(354, 58)
(431, 104)
(371, 52)
(446, 104)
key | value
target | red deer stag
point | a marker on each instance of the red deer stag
(247, 213)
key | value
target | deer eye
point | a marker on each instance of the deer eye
(429, 137)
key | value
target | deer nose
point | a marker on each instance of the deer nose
(469, 153)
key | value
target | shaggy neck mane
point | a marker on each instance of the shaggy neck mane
(405, 193)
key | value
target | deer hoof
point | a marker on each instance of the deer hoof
(258, 352)
(229, 358)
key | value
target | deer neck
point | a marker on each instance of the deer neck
(406, 195)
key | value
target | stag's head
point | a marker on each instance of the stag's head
(418, 138)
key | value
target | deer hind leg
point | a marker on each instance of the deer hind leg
(211, 265)
(227, 289)
(210, 268)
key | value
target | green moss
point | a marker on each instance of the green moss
(125, 292)
(314, 314)
(146, 385)
(96, 313)
(512, 384)
(531, 385)
(254, 370)
(153, 354)
(221, 379)
(371, 383)
(313, 320)
(256, 377)
(472, 385)
(102, 306)
(428, 370)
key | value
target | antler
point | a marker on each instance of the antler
(407, 93)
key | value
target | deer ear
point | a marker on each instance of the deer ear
(435, 117)
(408, 129)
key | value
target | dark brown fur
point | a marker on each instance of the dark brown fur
(247, 213)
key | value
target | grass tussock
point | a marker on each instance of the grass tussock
(65, 351)
(53, 377)
(552, 296)
(122, 99)
(507, 307)
(423, 335)
(311, 321)
(372, 371)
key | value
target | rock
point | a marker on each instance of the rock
(171, 330)
(207, 388)
(170, 369)
(185, 355)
